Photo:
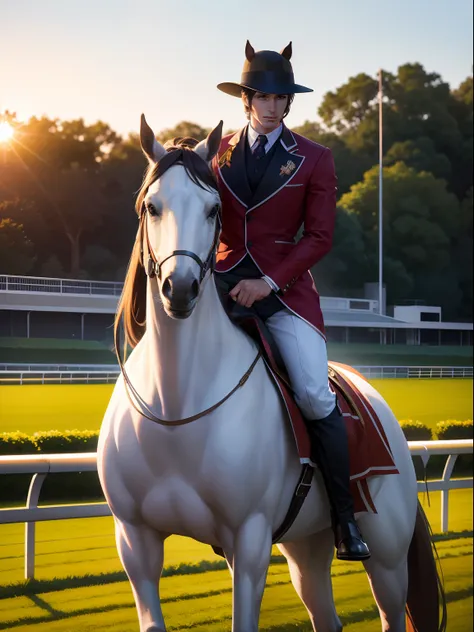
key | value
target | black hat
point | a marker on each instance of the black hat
(265, 71)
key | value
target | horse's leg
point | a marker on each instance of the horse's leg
(389, 587)
(141, 552)
(249, 560)
(309, 561)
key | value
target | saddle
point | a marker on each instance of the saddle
(370, 453)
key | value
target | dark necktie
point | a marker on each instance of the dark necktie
(259, 151)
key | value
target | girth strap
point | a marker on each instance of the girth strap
(299, 496)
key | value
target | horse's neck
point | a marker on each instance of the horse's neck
(190, 362)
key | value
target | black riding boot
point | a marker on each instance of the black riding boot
(330, 451)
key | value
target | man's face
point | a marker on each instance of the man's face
(267, 111)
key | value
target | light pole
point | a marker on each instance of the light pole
(380, 194)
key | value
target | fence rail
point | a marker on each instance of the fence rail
(59, 377)
(107, 374)
(418, 372)
(49, 285)
(40, 465)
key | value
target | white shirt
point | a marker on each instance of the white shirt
(272, 137)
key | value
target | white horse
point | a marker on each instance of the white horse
(227, 478)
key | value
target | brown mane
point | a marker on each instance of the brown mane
(132, 304)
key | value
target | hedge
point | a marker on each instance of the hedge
(73, 487)
(451, 429)
(445, 430)
(415, 430)
(78, 486)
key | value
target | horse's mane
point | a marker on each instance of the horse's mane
(132, 304)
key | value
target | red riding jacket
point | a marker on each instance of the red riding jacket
(299, 187)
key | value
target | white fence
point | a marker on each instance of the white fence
(89, 374)
(42, 465)
(47, 285)
(419, 372)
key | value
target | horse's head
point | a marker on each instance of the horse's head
(179, 205)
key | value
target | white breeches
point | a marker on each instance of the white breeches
(305, 355)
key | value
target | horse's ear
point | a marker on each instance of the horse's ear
(151, 147)
(209, 147)
(249, 51)
(287, 52)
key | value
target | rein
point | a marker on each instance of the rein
(186, 420)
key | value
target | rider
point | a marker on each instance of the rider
(272, 181)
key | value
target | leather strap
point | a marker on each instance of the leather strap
(299, 496)
(186, 420)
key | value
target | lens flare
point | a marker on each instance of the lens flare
(6, 132)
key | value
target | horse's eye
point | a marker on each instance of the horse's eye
(214, 211)
(151, 209)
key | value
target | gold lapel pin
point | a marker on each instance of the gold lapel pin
(226, 156)
(285, 170)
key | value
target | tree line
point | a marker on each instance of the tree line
(67, 191)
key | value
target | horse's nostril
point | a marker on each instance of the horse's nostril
(194, 289)
(167, 288)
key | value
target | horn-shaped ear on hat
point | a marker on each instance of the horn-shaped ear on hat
(287, 52)
(249, 51)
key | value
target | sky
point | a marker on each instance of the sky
(113, 59)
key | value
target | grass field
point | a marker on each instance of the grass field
(199, 600)
(35, 408)
(81, 586)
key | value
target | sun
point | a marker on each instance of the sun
(6, 132)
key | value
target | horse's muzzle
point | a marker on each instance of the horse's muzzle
(179, 295)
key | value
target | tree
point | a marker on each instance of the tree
(16, 251)
(417, 106)
(350, 163)
(421, 223)
(345, 268)
(183, 130)
(421, 155)
(74, 198)
(348, 106)
(462, 254)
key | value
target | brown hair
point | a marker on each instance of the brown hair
(249, 94)
(132, 304)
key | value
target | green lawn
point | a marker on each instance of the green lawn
(35, 408)
(69, 550)
(399, 355)
(201, 601)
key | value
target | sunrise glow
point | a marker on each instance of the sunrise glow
(6, 132)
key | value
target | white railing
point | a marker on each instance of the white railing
(59, 377)
(40, 465)
(419, 372)
(49, 285)
(41, 368)
(108, 373)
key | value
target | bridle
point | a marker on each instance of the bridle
(153, 269)
(153, 266)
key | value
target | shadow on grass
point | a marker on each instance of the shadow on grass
(36, 587)
(368, 614)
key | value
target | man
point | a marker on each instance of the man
(271, 182)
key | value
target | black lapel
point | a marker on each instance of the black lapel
(282, 168)
(233, 170)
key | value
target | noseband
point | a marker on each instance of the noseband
(153, 266)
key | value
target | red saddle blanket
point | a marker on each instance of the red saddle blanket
(370, 453)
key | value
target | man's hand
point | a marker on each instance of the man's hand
(248, 291)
